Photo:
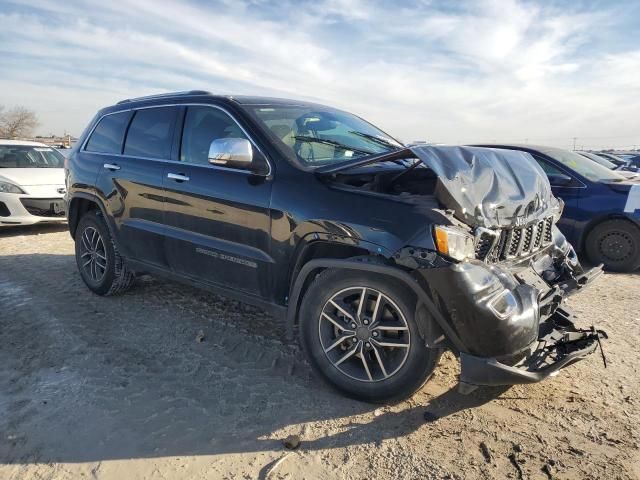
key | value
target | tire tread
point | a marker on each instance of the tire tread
(122, 278)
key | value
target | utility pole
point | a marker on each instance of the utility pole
(574, 142)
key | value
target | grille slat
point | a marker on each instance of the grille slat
(548, 224)
(528, 235)
(483, 246)
(514, 242)
(538, 238)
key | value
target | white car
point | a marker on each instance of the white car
(31, 183)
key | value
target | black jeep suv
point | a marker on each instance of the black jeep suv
(380, 255)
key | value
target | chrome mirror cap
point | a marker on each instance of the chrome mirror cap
(236, 151)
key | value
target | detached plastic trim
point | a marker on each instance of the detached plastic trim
(478, 371)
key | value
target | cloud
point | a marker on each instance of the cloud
(469, 71)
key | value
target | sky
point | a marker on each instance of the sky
(440, 71)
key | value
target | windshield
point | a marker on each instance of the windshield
(24, 156)
(319, 136)
(584, 166)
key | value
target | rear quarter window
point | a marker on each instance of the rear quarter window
(151, 133)
(108, 135)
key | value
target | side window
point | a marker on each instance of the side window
(151, 133)
(547, 167)
(108, 135)
(202, 125)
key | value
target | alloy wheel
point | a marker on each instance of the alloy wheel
(93, 254)
(364, 334)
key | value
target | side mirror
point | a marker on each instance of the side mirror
(231, 151)
(559, 179)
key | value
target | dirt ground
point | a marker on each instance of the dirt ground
(121, 388)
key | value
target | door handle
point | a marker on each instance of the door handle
(111, 166)
(178, 177)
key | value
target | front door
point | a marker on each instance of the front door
(218, 218)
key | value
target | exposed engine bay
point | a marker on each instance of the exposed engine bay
(503, 197)
(411, 181)
(484, 187)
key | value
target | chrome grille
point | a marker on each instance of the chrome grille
(515, 242)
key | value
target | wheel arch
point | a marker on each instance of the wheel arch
(78, 206)
(373, 265)
(321, 247)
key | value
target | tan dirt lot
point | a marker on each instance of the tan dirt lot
(119, 388)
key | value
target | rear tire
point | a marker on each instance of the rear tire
(616, 244)
(385, 337)
(100, 265)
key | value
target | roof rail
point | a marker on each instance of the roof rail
(163, 95)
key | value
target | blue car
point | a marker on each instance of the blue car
(601, 216)
(634, 164)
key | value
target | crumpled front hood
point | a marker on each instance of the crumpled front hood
(491, 188)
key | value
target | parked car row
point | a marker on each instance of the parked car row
(622, 161)
(632, 163)
(608, 164)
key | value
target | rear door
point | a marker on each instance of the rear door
(133, 184)
(218, 217)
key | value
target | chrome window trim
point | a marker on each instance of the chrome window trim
(164, 160)
(178, 162)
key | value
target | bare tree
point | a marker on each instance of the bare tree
(17, 122)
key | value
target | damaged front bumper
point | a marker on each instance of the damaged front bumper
(560, 344)
(512, 321)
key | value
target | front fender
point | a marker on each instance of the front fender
(376, 240)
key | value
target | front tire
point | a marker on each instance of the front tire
(100, 265)
(360, 334)
(616, 244)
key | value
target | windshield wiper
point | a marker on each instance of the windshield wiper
(378, 140)
(305, 138)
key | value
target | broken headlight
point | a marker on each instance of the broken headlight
(454, 243)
